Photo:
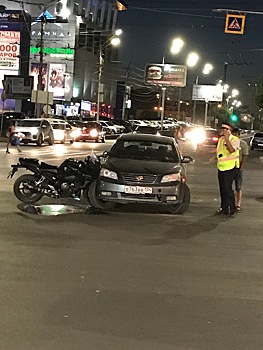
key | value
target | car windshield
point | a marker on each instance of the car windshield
(29, 123)
(149, 150)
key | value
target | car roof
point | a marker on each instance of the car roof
(35, 119)
(57, 121)
(146, 137)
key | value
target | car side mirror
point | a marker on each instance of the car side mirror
(187, 159)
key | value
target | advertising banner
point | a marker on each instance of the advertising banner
(18, 87)
(35, 71)
(59, 81)
(165, 74)
(9, 50)
(210, 93)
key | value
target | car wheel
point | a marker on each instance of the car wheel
(94, 200)
(181, 207)
(40, 140)
(71, 141)
(103, 140)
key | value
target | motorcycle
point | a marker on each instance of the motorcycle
(71, 179)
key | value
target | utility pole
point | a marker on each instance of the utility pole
(40, 86)
(125, 93)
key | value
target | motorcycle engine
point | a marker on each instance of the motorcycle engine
(64, 187)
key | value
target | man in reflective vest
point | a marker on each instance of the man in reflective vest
(227, 154)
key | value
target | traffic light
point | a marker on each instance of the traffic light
(234, 117)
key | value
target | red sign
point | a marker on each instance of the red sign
(9, 50)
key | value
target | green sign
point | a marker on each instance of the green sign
(54, 51)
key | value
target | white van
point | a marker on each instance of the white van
(63, 131)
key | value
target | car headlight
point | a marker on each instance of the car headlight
(94, 132)
(76, 133)
(34, 131)
(171, 177)
(108, 173)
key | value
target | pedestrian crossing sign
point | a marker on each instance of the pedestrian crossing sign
(235, 24)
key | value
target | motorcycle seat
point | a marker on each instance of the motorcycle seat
(44, 165)
(29, 160)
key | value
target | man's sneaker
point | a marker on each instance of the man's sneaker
(239, 210)
(220, 211)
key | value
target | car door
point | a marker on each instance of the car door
(45, 128)
(68, 132)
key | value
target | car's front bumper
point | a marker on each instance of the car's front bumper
(158, 194)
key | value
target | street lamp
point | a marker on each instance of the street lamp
(114, 40)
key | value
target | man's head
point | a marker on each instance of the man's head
(224, 126)
(236, 132)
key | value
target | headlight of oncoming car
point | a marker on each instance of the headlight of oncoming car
(34, 131)
(171, 177)
(94, 132)
(108, 173)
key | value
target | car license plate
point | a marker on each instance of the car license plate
(137, 190)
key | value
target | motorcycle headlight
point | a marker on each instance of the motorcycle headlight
(108, 173)
(171, 177)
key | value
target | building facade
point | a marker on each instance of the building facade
(71, 37)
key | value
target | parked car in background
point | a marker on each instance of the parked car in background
(142, 129)
(91, 131)
(143, 168)
(37, 130)
(63, 131)
(109, 128)
(256, 141)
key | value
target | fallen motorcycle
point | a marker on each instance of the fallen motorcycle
(72, 179)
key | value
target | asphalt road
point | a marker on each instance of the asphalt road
(134, 278)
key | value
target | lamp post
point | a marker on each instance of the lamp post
(115, 41)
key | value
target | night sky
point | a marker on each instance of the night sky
(149, 26)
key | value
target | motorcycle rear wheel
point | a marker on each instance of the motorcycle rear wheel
(22, 189)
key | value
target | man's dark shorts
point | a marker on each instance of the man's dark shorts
(238, 179)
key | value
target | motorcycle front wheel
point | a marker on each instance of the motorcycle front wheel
(24, 189)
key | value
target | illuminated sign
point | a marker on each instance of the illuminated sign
(9, 50)
(59, 52)
(207, 93)
(165, 74)
(235, 23)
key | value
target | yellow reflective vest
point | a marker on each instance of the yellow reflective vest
(225, 159)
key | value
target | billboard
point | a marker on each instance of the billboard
(211, 93)
(165, 74)
(9, 49)
(35, 71)
(59, 80)
(18, 87)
